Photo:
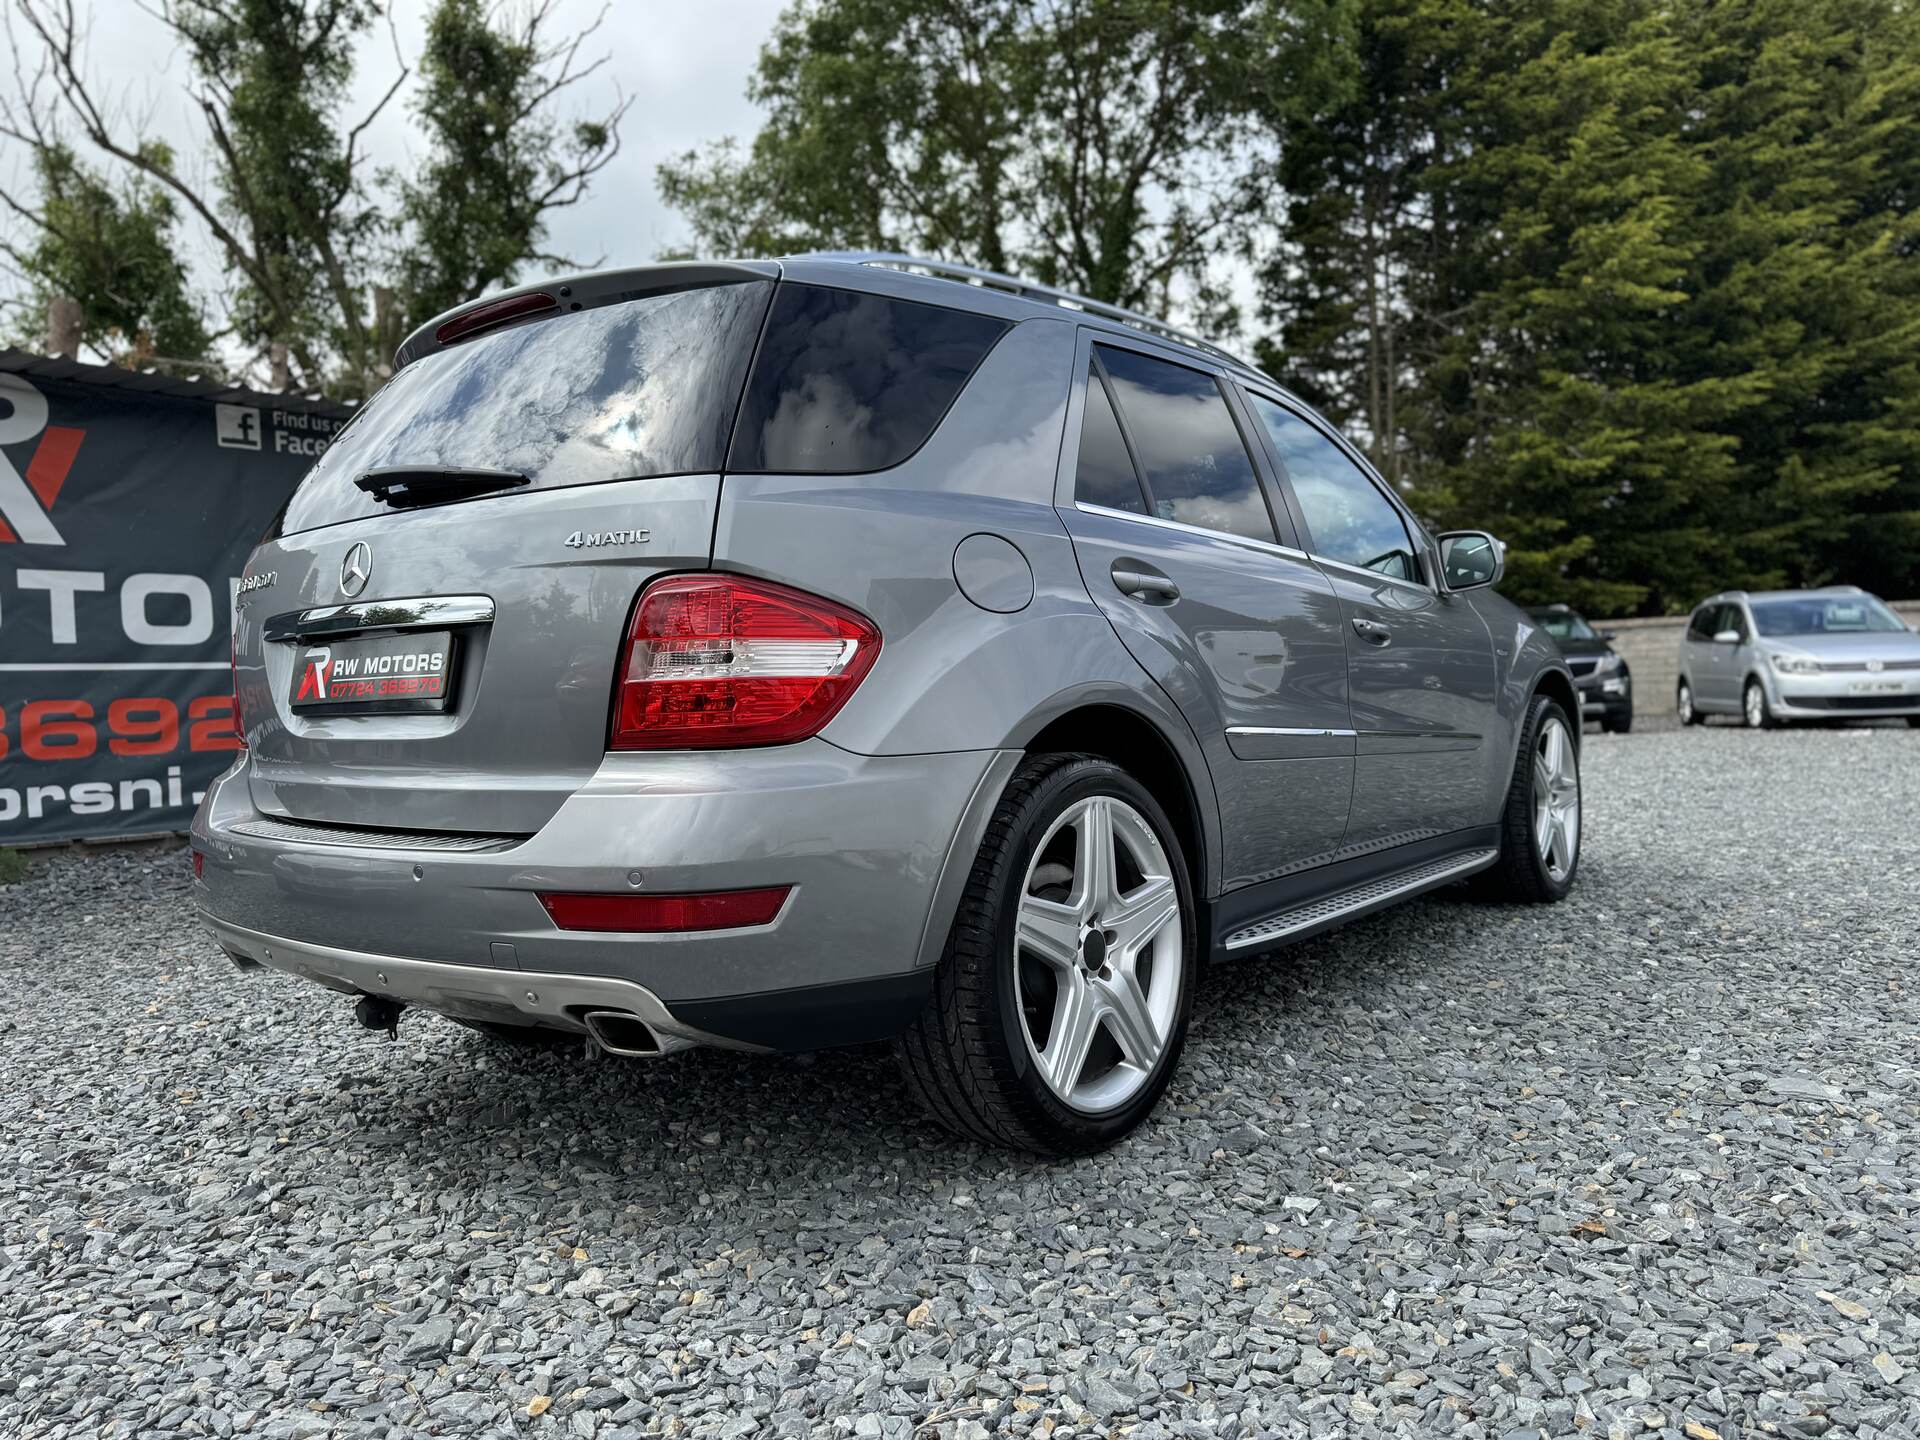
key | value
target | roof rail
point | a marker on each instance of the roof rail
(1032, 290)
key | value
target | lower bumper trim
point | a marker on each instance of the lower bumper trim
(469, 992)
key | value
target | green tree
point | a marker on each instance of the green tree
(113, 250)
(1807, 116)
(498, 160)
(1631, 283)
(322, 275)
(1103, 145)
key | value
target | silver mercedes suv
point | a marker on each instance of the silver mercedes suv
(1772, 656)
(791, 654)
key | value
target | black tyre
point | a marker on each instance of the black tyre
(1621, 724)
(1755, 712)
(1683, 707)
(1059, 1009)
(1913, 722)
(1540, 819)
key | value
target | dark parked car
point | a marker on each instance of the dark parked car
(1605, 683)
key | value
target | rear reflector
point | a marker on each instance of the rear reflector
(233, 670)
(493, 312)
(657, 914)
(719, 660)
(199, 864)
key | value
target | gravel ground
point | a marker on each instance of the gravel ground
(1643, 1163)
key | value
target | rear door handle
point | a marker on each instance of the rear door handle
(1372, 631)
(1148, 585)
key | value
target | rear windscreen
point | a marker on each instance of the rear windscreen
(847, 381)
(643, 388)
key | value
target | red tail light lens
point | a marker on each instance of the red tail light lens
(657, 914)
(488, 314)
(718, 660)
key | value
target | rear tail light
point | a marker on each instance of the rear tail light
(718, 660)
(657, 914)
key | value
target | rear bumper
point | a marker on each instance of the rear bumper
(876, 851)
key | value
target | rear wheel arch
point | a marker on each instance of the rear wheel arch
(1138, 746)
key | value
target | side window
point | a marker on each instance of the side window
(1350, 520)
(1701, 627)
(1196, 467)
(846, 382)
(1104, 474)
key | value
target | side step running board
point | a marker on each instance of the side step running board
(1346, 904)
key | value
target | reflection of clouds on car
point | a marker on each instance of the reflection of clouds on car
(1188, 445)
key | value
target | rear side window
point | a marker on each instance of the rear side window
(1195, 465)
(1104, 474)
(647, 387)
(847, 382)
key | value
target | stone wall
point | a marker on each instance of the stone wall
(1652, 652)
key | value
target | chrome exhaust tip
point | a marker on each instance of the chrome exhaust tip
(621, 1032)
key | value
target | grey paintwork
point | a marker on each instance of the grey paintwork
(1719, 670)
(1299, 744)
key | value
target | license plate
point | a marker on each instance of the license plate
(381, 674)
(1877, 687)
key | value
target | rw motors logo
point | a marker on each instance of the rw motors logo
(314, 683)
(26, 501)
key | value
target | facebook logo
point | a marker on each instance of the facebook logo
(237, 427)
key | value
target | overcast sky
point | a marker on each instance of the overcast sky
(684, 65)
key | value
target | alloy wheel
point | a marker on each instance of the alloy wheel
(1097, 962)
(1556, 800)
(1683, 703)
(1756, 703)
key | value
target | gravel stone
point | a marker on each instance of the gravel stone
(1639, 1164)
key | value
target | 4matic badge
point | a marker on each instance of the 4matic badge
(588, 539)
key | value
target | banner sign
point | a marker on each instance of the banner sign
(125, 521)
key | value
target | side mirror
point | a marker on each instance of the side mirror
(1471, 558)
(1726, 637)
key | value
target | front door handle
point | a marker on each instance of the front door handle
(1372, 631)
(1147, 585)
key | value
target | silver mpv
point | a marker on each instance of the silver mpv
(790, 654)
(1774, 656)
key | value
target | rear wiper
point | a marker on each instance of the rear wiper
(404, 486)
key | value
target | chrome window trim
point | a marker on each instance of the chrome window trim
(1271, 547)
(414, 612)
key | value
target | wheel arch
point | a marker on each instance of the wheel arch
(1137, 745)
(1558, 685)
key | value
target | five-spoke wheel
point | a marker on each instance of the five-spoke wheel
(1060, 1007)
(1556, 799)
(1097, 966)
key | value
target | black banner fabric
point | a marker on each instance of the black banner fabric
(125, 521)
